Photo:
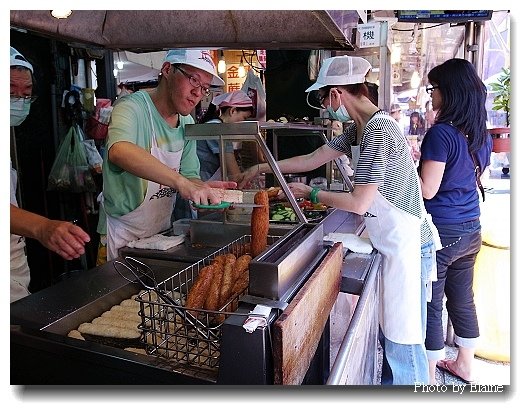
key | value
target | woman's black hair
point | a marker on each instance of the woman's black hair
(214, 113)
(463, 99)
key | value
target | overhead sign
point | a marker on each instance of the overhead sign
(369, 35)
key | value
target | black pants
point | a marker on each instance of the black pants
(455, 267)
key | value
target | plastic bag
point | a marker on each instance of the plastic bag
(93, 156)
(70, 171)
(94, 159)
(254, 89)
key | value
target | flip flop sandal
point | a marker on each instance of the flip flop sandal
(444, 365)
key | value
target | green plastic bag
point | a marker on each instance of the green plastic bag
(70, 171)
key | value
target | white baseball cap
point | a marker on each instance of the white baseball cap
(18, 59)
(341, 70)
(196, 58)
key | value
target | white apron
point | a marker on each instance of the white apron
(396, 235)
(154, 213)
(20, 274)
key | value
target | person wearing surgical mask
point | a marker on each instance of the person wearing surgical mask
(64, 238)
(387, 192)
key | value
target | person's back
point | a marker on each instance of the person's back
(454, 152)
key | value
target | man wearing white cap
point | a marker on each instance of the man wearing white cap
(225, 108)
(64, 238)
(388, 194)
(147, 158)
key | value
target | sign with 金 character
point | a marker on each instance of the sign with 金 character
(233, 81)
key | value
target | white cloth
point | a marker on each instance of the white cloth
(351, 241)
(154, 213)
(157, 242)
(20, 274)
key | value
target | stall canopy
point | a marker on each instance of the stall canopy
(146, 30)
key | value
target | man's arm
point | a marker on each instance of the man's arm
(64, 238)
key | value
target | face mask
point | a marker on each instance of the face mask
(340, 114)
(19, 111)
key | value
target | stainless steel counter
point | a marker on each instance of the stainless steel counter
(42, 353)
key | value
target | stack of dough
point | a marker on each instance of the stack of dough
(116, 327)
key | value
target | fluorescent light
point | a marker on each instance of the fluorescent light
(120, 65)
(61, 14)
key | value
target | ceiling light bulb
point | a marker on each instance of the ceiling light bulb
(61, 14)
(241, 69)
(221, 67)
(120, 65)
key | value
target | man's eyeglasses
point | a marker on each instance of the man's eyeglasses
(25, 98)
(430, 89)
(194, 82)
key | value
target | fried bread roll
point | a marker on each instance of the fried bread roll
(241, 283)
(259, 224)
(212, 299)
(199, 290)
(241, 275)
(227, 280)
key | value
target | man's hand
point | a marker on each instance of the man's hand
(64, 238)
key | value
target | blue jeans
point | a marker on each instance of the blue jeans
(403, 364)
(455, 266)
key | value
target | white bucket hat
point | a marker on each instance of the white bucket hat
(18, 59)
(341, 70)
(196, 58)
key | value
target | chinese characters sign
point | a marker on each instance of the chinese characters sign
(369, 34)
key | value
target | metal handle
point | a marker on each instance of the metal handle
(222, 205)
(167, 299)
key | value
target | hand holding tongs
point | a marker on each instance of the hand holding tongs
(225, 205)
(146, 277)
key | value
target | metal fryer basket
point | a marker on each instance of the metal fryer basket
(168, 334)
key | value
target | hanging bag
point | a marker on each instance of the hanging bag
(70, 171)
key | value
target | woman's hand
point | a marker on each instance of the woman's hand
(222, 184)
(244, 178)
(300, 190)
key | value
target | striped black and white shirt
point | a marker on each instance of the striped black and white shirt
(385, 160)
